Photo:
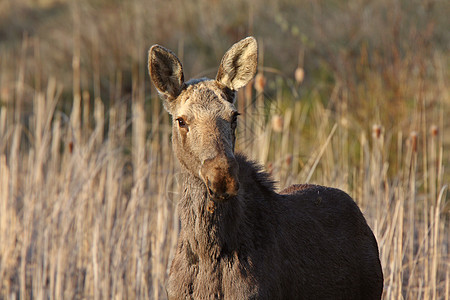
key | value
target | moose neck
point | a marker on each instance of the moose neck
(210, 228)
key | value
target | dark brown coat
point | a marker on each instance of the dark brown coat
(313, 243)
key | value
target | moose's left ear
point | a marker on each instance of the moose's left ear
(239, 64)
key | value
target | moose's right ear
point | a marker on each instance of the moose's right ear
(239, 64)
(166, 72)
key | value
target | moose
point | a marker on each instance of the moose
(239, 238)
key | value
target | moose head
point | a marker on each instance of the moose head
(204, 117)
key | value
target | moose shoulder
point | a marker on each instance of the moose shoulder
(240, 239)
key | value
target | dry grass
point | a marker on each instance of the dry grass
(88, 182)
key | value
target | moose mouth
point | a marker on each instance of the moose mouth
(220, 175)
(223, 196)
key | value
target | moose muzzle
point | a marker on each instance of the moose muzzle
(220, 175)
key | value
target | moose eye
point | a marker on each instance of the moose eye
(234, 119)
(181, 123)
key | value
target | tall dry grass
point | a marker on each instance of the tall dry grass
(88, 182)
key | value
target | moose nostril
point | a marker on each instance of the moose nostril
(220, 177)
(208, 186)
(210, 191)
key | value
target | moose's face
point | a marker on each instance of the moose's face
(203, 136)
(203, 114)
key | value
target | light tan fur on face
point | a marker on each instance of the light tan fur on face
(206, 148)
(203, 99)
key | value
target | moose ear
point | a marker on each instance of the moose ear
(166, 72)
(239, 64)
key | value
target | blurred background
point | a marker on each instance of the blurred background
(352, 94)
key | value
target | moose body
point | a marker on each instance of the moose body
(240, 239)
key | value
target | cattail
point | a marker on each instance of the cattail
(288, 159)
(277, 123)
(434, 130)
(260, 82)
(376, 131)
(299, 75)
(270, 168)
(5, 94)
(413, 137)
(70, 147)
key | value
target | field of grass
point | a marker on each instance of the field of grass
(351, 94)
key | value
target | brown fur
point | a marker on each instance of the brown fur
(239, 239)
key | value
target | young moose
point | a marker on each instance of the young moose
(240, 239)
